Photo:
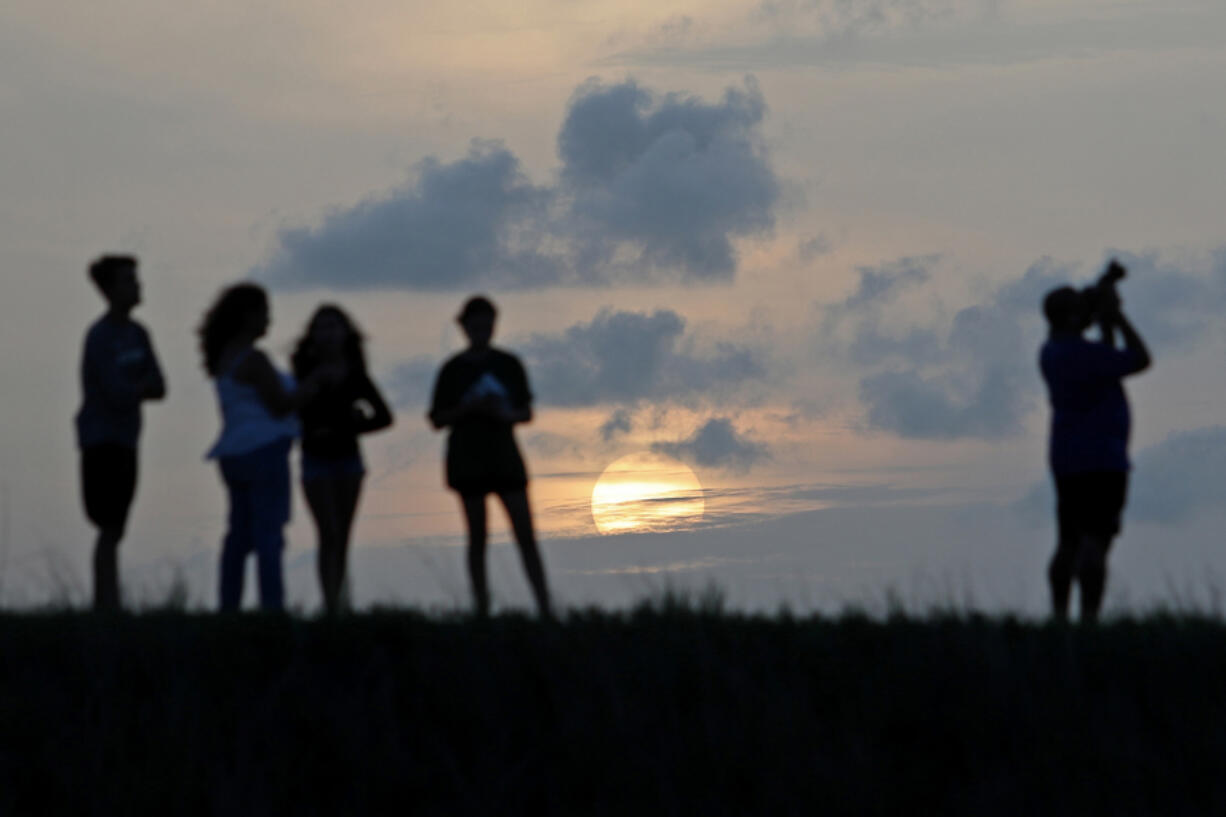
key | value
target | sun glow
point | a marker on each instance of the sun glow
(646, 492)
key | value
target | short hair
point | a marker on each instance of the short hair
(106, 269)
(477, 305)
(1060, 303)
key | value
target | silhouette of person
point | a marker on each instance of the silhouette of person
(332, 419)
(259, 424)
(119, 371)
(1090, 427)
(480, 394)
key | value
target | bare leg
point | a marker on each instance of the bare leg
(474, 515)
(520, 513)
(1060, 578)
(106, 569)
(1092, 576)
(321, 499)
(348, 489)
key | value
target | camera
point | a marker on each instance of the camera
(1102, 296)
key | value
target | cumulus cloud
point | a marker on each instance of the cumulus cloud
(672, 178)
(460, 225)
(619, 357)
(626, 357)
(974, 378)
(977, 378)
(716, 444)
(652, 188)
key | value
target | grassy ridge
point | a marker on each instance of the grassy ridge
(665, 711)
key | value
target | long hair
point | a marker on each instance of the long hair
(226, 318)
(306, 357)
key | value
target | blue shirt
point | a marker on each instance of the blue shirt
(1090, 421)
(118, 357)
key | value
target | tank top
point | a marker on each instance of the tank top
(246, 423)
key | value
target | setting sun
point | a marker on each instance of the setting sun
(646, 492)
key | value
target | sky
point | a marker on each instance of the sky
(796, 245)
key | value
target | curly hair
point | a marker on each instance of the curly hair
(226, 318)
(306, 357)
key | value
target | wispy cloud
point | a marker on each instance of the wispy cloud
(781, 34)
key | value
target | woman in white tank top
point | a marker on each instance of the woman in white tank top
(259, 424)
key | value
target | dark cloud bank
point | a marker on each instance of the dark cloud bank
(977, 377)
(652, 187)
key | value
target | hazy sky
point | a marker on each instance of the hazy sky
(797, 244)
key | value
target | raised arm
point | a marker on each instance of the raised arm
(1133, 343)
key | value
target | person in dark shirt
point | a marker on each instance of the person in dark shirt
(1090, 427)
(332, 467)
(119, 371)
(480, 394)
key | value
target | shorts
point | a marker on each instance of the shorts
(108, 483)
(1090, 503)
(315, 467)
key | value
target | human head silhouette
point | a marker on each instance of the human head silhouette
(477, 320)
(329, 331)
(240, 310)
(1066, 310)
(115, 277)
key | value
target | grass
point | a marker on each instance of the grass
(674, 708)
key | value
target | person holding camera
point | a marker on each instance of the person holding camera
(1090, 427)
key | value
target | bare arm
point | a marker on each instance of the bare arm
(1133, 342)
(381, 417)
(257, 372)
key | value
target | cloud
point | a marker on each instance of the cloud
(973, 379)
(881, 283)
(1171, 483)
(978, 378)
(619, 357)
(717, 444)
(619, 422)
(809, 249)
(1179, 477)
(783, 34)
(672, 178)
(652, 188)
(627, 357)
(460, 225)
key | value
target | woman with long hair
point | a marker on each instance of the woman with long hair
(480, 394)
(258, 427)
(332, 419)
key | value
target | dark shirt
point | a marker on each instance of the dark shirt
(333, 419)
(481, 449)
(1090, 421)
(118, 356)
